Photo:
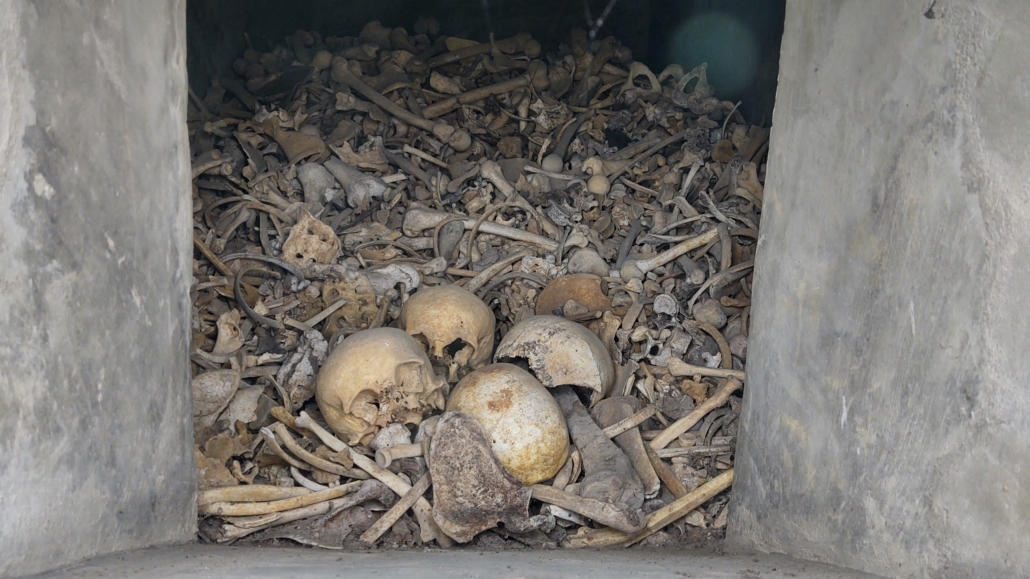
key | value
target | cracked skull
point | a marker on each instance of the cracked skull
(374, 378)
(457, 326)
(560, 352)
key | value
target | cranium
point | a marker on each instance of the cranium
(374, 378)
(449, 315)
(526, 427)
(560, 352)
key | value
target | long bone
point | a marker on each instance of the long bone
(418, 219)
(457, 138)
(637, 269)
(616, 516)
(610, 411)
(423, 510)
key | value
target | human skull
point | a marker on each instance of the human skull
(444, 315)
(560, 352)
(374, 378)
(525, 425)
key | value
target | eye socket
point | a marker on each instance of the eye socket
(454, 347)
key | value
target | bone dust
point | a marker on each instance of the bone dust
(448, 293)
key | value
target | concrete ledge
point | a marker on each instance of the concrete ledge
(217, 562)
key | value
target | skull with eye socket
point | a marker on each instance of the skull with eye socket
(454, 324)
(374, 378)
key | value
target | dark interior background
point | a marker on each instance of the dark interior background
(740, 39)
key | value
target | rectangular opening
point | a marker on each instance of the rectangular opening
(349, 156)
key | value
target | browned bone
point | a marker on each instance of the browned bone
(315, 461)
(712, 450)
(728, 386)
(491, 171)
(237, 527)
(471, 490)
(665, 473)
(248, 494)
(657, 520)
(609, 474)
(637, 269)
(418, 219)
(615, 516)
(449, 104)
(390, 517)
(361, 188)
(630, 422)
(519, 43)
(227, 509)
(457, 138)
(610, 411)
(209, 160)
(422, 508)
(680, 368)
(386, 456)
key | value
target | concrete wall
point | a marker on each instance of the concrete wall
(887, 415)
(95, 262)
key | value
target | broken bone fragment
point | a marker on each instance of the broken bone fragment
(560, 352)
(388, 277)
(212, 392)
(472, 492)
(609, 476)
(374, 378)
(316, 182)
(457, 326)
(617, 516)
(585, 288)
(361, 188)
(525, 426)
(588, 261)
(310, 241)
(296, 145)
(637, 269)
(393, 448)
(386, 456)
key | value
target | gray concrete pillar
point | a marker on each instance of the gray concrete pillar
(95, 264)
(887, 416)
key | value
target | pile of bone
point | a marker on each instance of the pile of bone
(447, 291)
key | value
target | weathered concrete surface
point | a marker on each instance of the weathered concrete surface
(887, 415)
(95, 439)
(219, 562)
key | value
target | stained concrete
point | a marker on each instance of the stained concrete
(95, 263)
(212, 562)
(887, 418)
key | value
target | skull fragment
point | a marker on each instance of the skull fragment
(560, 352)
(374, 378)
